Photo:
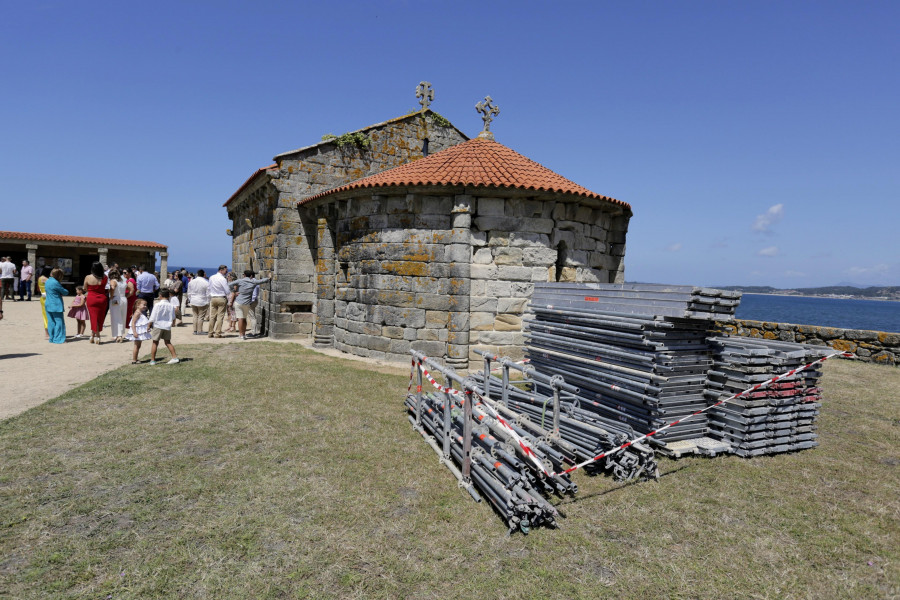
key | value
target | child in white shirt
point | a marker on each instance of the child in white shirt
(176, 304)
(161, 320)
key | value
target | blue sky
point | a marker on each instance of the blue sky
(757, 142)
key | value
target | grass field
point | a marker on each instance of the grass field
(265, 470)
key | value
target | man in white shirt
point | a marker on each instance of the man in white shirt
(198, 299)
(7, 277)
(161, 320)
(218, 294)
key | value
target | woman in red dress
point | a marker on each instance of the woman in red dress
(97, 299)
(130, 291)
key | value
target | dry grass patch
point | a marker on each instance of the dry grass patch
(267, 471)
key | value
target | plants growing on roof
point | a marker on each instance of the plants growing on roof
(440, 120)
(356, 138)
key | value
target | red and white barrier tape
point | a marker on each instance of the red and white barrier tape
(701, 411)
(529, 453)
(526, 449)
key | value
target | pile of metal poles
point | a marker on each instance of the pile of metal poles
(466, 432)
(552, 411)
(637, 351)
(777, 418)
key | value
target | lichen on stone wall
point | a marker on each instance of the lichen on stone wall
(870, 346)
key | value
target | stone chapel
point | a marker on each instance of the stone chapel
(407, 234)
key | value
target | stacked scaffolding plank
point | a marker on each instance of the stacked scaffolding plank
(778, 418)
(638, 352)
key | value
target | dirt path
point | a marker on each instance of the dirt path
(36, 371)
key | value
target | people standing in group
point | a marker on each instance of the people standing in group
(218, 294)
(185, 281)
(79, 311)
(198, 298)
(97, 300)
(26, 273)
(118, 306)
(138, 330)
(173, 300)
(232, 316)
(130, 291)
(147, 285)
(161, 318)
(42, 283)
(108, 278)
(54, 305)
(243, 299)
(7, 277)
(251, 314)
(167, 282)
(175, 286)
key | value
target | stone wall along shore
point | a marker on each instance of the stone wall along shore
(870, 346)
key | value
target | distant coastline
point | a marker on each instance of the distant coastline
(832, 297)
(835, 292)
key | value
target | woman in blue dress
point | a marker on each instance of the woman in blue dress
(56, 323)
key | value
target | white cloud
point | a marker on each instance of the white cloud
(881, 269)
(770, 251)
(674, 247)
(765, 221)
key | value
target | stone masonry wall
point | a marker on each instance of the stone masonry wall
(518, 241)
(443, 273)
(396, 282)
(870, 346)
(286, 236)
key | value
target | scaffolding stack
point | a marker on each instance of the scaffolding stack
(638, 352)
(616, 373)
(777, 418)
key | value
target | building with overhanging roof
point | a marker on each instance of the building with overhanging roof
(270, 235)
(438, 253)
(75, 254)
(441, 254)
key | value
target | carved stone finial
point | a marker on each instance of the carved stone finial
(488, 112)
(425, 93)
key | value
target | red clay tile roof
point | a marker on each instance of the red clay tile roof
(477, 162)
(250, 180)
(73, 239)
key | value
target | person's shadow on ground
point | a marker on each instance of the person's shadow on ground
(23, 355)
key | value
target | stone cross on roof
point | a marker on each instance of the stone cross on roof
(425, 93)
(488, 112)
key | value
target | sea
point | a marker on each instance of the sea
(209, 270)
(875, 315)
